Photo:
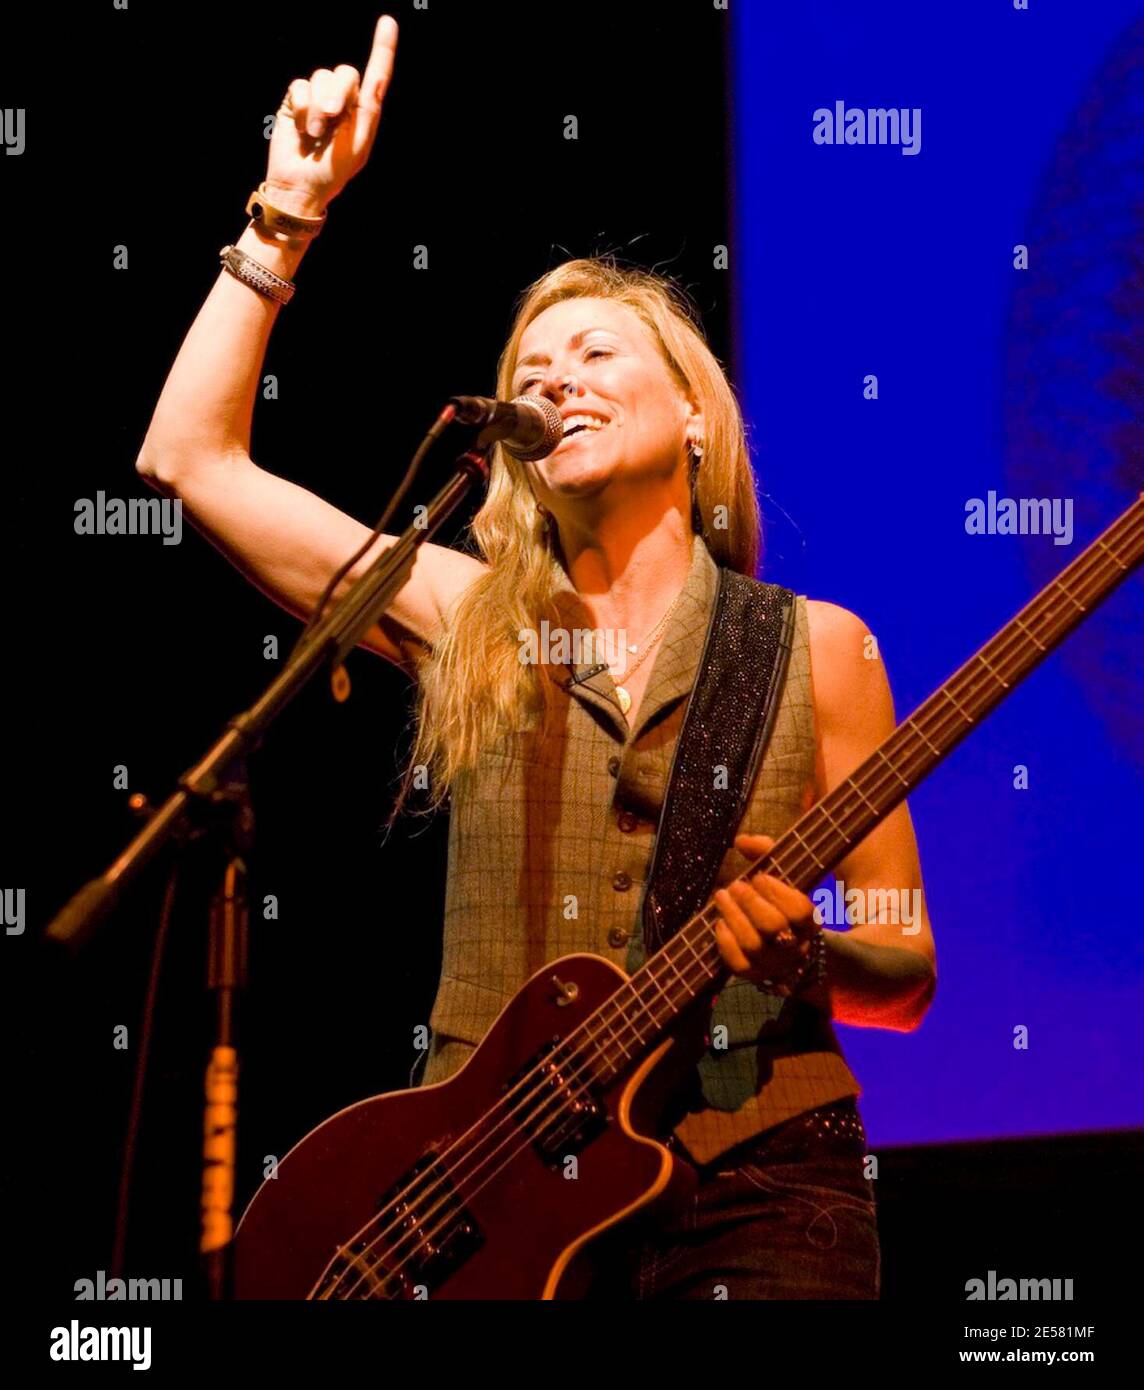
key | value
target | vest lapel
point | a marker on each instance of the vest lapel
(674, 664)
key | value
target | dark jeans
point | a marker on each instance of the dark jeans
(788, 1214)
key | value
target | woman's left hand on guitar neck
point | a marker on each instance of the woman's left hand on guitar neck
(766, 928)
(880, 973)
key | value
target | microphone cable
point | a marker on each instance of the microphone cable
(435, 432)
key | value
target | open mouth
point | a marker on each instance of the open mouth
(583, 424)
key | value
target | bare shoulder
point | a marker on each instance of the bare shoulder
(838, 638)
(833, 627)
(851, 689)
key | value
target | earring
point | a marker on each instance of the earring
(545, 519)
(695, 451)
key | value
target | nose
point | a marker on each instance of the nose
(559, 385)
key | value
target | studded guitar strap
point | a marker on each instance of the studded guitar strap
(729, 719)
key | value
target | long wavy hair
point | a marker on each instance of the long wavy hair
(473, 687)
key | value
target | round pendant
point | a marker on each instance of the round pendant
(624, 698)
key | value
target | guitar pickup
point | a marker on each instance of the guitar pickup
(556, 1106)
(425, 1233)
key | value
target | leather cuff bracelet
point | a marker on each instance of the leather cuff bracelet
(256, 275)
(811, 973)
(278, 223)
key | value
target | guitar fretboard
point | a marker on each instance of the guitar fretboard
(636, 1016)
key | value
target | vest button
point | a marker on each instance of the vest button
(622, 882)
(614, 766)
(617, 937)
(627, 822)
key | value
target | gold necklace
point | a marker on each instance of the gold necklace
(649, 642)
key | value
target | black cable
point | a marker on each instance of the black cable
(134, 1114)
(435, 432)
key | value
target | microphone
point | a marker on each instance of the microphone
(529, 427)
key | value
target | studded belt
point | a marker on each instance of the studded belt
(833, 1128)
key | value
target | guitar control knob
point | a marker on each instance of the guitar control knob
(567, 990)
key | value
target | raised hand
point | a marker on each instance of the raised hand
(326, 127)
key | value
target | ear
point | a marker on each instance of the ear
(695, 424)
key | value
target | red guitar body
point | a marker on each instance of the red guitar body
(490, 1184)
(315, 1229)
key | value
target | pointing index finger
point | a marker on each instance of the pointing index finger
(379, 68)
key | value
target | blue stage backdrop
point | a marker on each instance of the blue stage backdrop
(899, 354)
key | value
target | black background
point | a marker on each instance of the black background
(142, 651)
(148, 131)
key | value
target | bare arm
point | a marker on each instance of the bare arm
(883, 973)
(284, 538)
(880, 973)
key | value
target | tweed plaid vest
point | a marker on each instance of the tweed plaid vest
(550, 844)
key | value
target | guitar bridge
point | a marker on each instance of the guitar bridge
(422, 1233)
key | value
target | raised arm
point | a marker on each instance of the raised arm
(197, 448)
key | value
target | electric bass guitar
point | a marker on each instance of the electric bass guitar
(458, 1190)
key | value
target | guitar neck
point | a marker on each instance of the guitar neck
(638, 1014)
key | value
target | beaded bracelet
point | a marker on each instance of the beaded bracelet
(811, 972)
(256, 275)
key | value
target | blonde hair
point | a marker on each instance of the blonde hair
(473, 687)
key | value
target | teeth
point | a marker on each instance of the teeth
(590, 422)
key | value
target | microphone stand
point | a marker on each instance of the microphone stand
(213, 796)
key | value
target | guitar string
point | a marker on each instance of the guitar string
(971, 668)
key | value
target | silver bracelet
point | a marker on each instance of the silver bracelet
(256, 275)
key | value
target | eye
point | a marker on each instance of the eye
(598, 352)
